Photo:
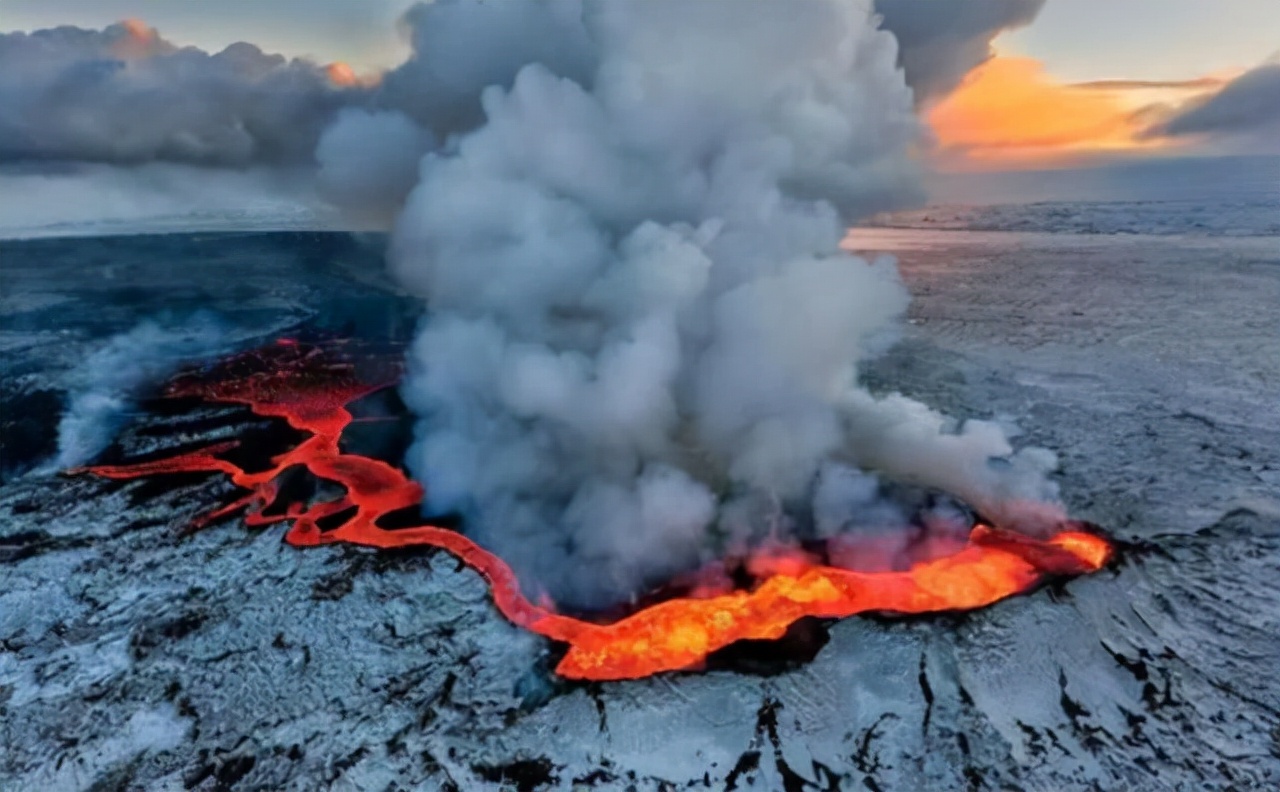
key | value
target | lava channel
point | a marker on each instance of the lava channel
(311, 392)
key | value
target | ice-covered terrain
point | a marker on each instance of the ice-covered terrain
(1230, 196)
(156, 198)
(133, 658)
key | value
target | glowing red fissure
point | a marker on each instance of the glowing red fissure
(312, 396)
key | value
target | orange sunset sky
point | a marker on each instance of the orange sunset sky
(1013, 112)
(1087, 78)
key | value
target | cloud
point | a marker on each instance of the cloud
(368, 158)
(941, 42)
(1245, 110)
(368, 163)
(641, 335)
(460, 48)
(1195, 84)
(359, 31)
(125, 95)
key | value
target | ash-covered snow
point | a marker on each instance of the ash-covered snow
(132, 658)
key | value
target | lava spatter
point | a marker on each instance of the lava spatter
(311, 391)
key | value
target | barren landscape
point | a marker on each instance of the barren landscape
(134, 657)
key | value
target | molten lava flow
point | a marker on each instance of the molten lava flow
(297, 383)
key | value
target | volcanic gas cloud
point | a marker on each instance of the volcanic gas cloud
(311, 391)
(641, 342)
(642, 338)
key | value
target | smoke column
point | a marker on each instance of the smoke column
(642, 338)
(102, 388)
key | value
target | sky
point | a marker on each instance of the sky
(1077, 40)
(1081, 40)
(1094, 81)
(1087, 81)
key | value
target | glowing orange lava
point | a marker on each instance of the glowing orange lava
(297, 383)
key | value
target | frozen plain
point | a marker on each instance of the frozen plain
(131, 658)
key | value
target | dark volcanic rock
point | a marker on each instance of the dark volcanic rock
(28, 428)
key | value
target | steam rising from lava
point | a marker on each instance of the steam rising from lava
(641, 333)
(101, 389)
(299, 384)
(642, 341)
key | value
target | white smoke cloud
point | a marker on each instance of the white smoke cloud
(624, 217)
(100, 391)
(641, 330)
(459, 49)
(368, 163)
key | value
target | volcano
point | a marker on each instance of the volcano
(228, 659)
(310, 388)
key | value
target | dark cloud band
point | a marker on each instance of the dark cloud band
(124, 95)
(1248, 105)
(941, 42)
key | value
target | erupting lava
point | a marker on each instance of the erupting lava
(298, 383)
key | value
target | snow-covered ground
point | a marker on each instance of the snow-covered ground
(1230, 196)
(157, 198)
(1087, 217)
(133, 659)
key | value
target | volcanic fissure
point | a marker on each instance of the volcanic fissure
(311, 389)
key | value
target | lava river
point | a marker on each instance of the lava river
(311, 392)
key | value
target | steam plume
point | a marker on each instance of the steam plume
(624, 218)
(102, 388)
(641, 327)
(368, 163)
